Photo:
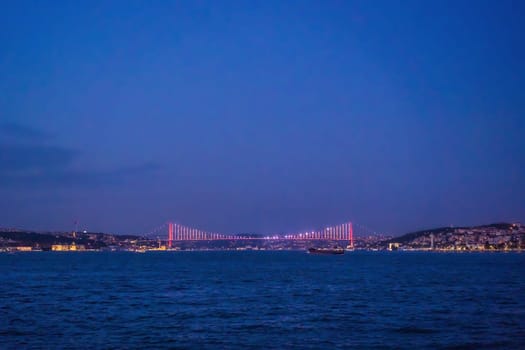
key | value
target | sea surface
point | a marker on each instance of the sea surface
(262, 300)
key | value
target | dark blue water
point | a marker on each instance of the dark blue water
(266, 300)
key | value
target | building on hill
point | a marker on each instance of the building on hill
(67, 247)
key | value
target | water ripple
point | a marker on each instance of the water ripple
(249, 300)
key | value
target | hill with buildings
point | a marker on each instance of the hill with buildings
(20, 240)
(493, 237)
(498, 236)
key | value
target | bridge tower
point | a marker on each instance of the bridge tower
(170, 234)
(351, 235)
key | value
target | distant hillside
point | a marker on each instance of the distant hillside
(29, 238)
(492, 236)
(93, 240)
(408, 237)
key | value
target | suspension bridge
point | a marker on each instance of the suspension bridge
(173, 233)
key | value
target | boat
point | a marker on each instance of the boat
(326, 251)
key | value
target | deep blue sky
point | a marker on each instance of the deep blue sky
(261, 116)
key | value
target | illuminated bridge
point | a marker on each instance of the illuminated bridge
(181, 233)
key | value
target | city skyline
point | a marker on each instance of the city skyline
(261, 117)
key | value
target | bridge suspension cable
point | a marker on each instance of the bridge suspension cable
(179, 232)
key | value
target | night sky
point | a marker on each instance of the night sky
(261, 116)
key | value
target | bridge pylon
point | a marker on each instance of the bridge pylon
(351, 235)
(170, 234)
